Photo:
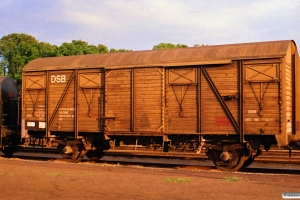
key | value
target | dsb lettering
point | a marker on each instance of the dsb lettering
(58, 79)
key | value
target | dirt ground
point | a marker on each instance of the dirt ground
(21, 179)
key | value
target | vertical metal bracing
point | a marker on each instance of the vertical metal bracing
(47, 105)
(166, 114)
(163, 106)
(105, 101)
(103, 104)
(132, 101)
(280, 98)
(101, 113)
(221, 100)
(76, 88)
(241, 100)
(199, 101)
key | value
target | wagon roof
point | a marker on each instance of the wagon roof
(216, 54)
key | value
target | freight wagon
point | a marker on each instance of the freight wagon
(9, 115)
(228, 100)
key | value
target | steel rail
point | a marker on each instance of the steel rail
(276, 156)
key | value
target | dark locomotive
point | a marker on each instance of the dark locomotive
(227, 100)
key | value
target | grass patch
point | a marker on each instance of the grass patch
(84, 174)
(10, 174)
(2, 174)
(53, 174)
(232, 179)
(177, 180)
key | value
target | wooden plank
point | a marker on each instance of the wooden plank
(118, 99)
(185, 120)
(214, 119)
(147, 99)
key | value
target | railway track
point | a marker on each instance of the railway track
(166, 163)
(271, 156)
(206, 165)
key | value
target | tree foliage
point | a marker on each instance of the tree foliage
(168, 46)
(198, 45)
(113, 50)
(16, 50)
(47, 50)
(79, 47)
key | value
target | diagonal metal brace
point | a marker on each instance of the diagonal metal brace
(221, 100)
(61, 99)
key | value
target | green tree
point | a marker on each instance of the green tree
(198, 45)
(79, 47)
(47, 50)
(16, 50)
(3, 64)
(92, 49)
(168, 46)
(113, 50)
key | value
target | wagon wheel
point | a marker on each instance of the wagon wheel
(9, 146)
(74, 156)
(237, 161)
(9, 151)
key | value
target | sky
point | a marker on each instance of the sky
(141, 24)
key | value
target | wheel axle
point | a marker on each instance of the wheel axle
(67, 150)
(225, 156)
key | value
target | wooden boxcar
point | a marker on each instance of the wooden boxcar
(227, 99)
(9, 115)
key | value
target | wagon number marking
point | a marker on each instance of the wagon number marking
(259, 120)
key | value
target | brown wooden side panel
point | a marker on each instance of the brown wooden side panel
(261, 116)
(34, 102)
(214, 118)
(118, 100)
(34, 105)
(90, 100)
(61, 105)
(181, 100)
(262, 99)
(226, 79)
(148, 99)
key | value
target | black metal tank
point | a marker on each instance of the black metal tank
(9, 104)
